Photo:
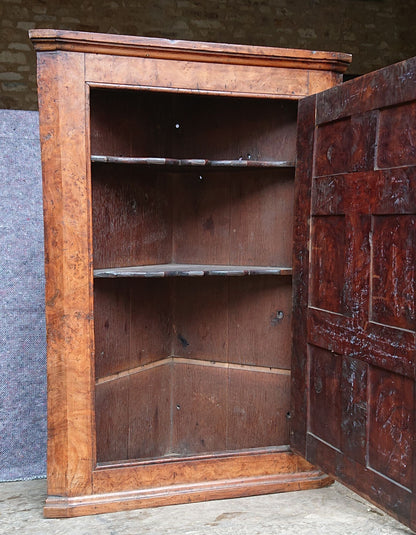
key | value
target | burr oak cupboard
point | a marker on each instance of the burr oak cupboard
(170, 204)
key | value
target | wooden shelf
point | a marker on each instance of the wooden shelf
(193, 162)
(189, 270)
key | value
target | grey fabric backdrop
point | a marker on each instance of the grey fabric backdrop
(22, 326)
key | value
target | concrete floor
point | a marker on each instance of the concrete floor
(333, 510)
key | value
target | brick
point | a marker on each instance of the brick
(12, 57)
(13, 86)
(19, 46)
(25, 25)
(10, 76)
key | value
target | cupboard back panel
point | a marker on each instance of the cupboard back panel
(174, 125)
(142, 216)
(131, 216)
(178, 409)
(133, 416)
(236, 320)
(237, 217)
(132, 323)
(197, 360)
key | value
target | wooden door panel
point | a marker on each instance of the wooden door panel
(353, 401)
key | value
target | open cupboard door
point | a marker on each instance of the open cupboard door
(353, 380)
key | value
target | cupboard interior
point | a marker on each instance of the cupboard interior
(191, 365)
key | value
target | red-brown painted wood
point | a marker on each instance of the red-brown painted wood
(353, 387)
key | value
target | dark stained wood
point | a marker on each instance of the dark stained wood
(391, 426)
(341, 334)
(261, 219)
(328, 263)
(397, 128)
(150, 413)
(393, 278)
(354, 404)
(112, 420)
(201, 214)
(200, 318)
(325, 395)
(259, 319)
(131, 218)
(172, 126)
(357, 132)
(112, 314)
(301, 254)
(199, 409)
(211, 217)
(151, 321)
(370, 92)
(397, 501)
(207, 127)
(357, 291)
(257, 410)
(132, 324)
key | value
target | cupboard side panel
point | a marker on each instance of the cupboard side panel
(62, 103)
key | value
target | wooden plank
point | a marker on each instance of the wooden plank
(59, 507)
(150, 413)
(112, 327)
(261, 219)
(132, 324)
(354, 407)
(394, 192)
(112, 420)
(131, 218)
(358, 132)
(199, 409)
(343, 335)
(397, 127)
(257, 409)
(200, 318)
(259, 320)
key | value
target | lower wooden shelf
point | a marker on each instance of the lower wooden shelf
(185, 480)
(189, 270)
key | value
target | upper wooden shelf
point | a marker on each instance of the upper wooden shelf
(189, 270)
(149, 47)
(193, 162)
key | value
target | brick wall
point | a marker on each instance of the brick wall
(376, 32)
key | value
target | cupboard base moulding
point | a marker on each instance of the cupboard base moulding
(238, 487)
